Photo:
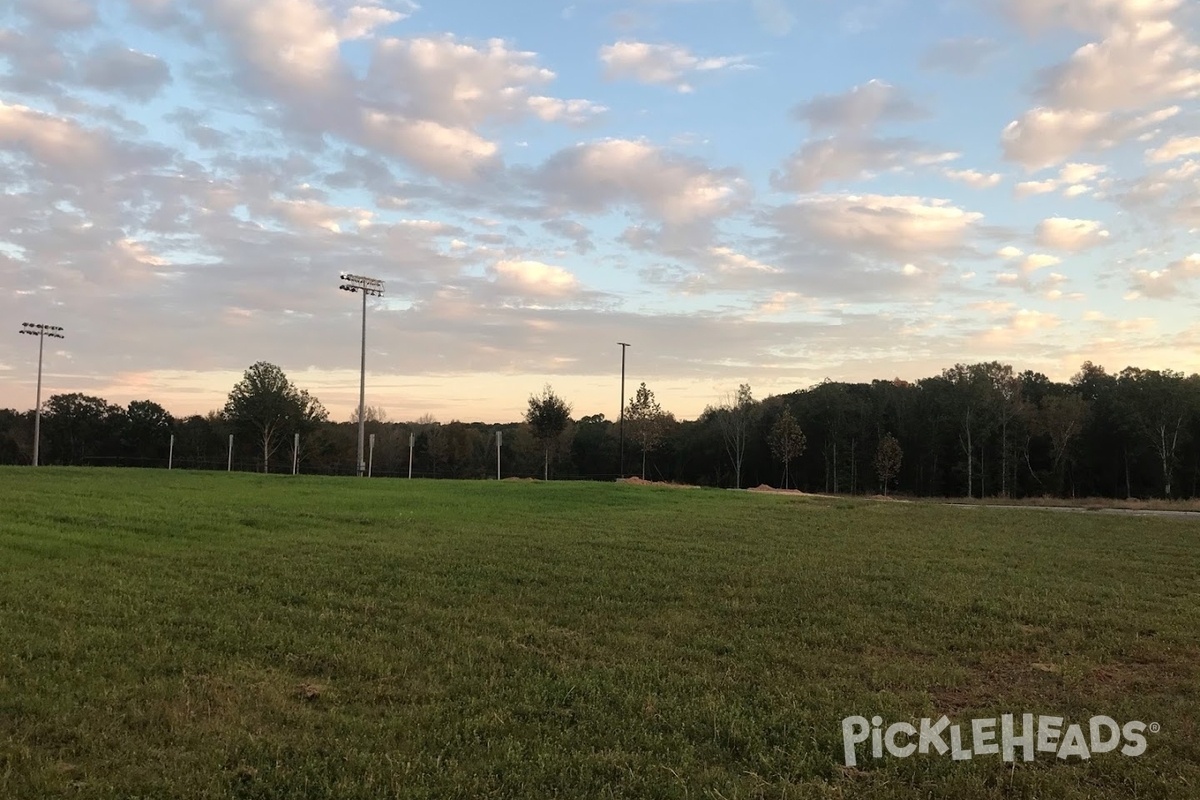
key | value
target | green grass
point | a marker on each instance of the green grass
(189, 635)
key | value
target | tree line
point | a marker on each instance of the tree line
(975, 430)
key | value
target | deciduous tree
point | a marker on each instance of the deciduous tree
(887, 460)
(787, 442)
(548, 417)
(268, 406)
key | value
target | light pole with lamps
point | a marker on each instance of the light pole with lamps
(368, 287)
(622, 424)
(40, 331)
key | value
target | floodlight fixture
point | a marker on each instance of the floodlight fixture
(367, 287)
(40, 331)
(621, 426)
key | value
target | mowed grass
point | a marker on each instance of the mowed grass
(189, 635)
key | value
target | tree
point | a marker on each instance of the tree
(887, 460)
(78, 426)
(1061, 418)
(265, 404)
(548, 416)
(647, 422)
(787, 442)
(734, 417)
(148, 428)
(370, 414)
(1159, 405)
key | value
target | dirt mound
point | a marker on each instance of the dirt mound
(635, 481)
(524, 480)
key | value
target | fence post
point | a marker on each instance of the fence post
(171, 452)
(371, 455)
(412, 440)
(296, 454)
(229, 465)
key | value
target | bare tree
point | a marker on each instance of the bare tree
(735, 417)
(1062, 419)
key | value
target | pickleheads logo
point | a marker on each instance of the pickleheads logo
(995, 736)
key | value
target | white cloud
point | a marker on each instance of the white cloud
(729, 260)
(1136, 66)
(661, 64)
(1109, 90)
(1175, 148)
(535, 278)
(1029, 188)
(673, 189)
(888, 225)
(1071, 235)
(975, 179)
(849, 158)
(1168, 282)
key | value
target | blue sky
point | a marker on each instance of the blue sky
(762, 191)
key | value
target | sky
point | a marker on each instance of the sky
(772, 192)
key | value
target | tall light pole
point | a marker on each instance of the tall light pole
(367, 287)
(622, 424)
(40, 331)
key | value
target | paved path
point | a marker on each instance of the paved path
(1129, 512)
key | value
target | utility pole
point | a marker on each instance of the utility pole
(621, 426)
(40, 331)
(368, 287)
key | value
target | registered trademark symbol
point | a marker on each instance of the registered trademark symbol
(1155, 727)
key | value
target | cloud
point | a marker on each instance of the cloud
(1136, 66)
(425, 100)
(63, 148)
(1071, 235)
(118, 69)
(860, 109)
(63, 15)
(1075, 179)
(1029, 188)
(1133, 77)
(1166, 283)
(661, 64)
(1088, 16)
(850, 158)
(974, 178)
(595, 176)
(535, 278)
(894, 227)
(1177, 147)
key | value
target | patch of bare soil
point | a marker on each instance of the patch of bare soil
(765, 489)
(635, 481)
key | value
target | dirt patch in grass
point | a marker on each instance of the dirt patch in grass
(1002, 677)
(765, 489)
(635, 481)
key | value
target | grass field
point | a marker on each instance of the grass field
(188, 635)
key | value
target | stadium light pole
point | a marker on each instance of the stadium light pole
(40, 331)
(622, 423)
(367, 287)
